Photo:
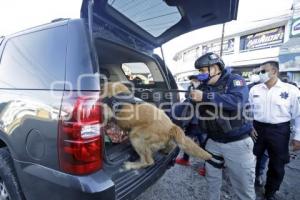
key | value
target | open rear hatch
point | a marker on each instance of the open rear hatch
(148, 24)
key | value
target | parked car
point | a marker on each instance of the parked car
(52, 146)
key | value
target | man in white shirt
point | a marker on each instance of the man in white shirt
(274, 105)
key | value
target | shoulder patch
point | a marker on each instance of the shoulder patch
(238, 83)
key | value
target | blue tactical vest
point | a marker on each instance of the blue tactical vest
(218, 128)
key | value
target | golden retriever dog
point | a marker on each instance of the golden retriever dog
(151, 130)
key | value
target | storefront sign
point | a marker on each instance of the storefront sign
(263, 39)
(228, 47)
(295, 28)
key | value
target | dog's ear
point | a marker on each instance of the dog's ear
(110, 89)
(106, 89)
(119, 87)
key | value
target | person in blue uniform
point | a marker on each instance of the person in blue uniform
(190, 126)
(221, 101)
(274, 104)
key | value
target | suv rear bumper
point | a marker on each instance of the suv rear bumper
(134, 182)
(39, 182)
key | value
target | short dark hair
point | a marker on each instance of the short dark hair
(273, 63)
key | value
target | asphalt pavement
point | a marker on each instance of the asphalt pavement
(184, 183)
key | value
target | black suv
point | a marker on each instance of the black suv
(52, 143)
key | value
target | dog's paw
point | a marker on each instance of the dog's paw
(128, 166)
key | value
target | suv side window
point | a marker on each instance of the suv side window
(34, 60)
(142, 74)
(138, 73)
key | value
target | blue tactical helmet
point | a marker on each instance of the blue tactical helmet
(209, 59)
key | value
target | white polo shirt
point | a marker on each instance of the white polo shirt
(279, 104)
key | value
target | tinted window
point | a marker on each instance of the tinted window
(35, 60)
(154, 16)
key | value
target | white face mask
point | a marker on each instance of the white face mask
(196, 84)
(254, 78)
(264, 77)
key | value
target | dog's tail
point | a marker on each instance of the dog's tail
(187, 144)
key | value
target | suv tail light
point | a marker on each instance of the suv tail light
(80, 141)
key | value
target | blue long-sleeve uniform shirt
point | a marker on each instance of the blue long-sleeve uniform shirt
(232, 97)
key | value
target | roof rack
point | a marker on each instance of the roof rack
(59, 19)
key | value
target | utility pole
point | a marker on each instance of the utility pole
(222, 40)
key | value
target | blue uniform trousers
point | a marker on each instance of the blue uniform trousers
(275, 139)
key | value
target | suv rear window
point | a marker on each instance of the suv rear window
(154, 16)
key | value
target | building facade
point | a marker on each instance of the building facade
(244, 49)
(289, 57)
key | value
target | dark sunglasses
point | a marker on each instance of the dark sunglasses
(262, 71)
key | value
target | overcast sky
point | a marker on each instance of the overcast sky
(16, 15)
